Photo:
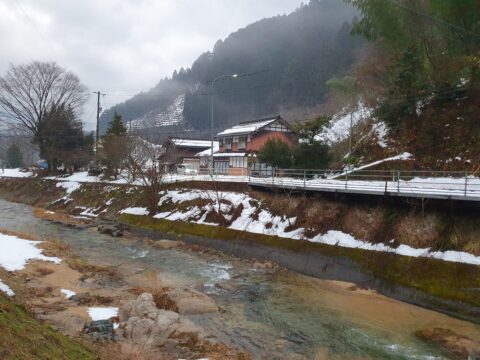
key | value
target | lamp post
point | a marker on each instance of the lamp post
(221, 77)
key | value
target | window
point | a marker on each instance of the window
(242, 143)
(278, 127)
(238, 162)
(228, 144)
(235, 139)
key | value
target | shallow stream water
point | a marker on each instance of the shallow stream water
(273, 315)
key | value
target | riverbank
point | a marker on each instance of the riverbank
(266, 311)
(277, 226)
(96, 305)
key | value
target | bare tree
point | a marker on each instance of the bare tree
(145, 168)
(29, 91)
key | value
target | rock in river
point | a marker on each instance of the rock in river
(456, 345)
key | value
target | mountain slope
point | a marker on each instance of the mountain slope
(287, 60)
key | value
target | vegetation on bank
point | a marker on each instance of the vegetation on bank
(372, 222)
(25, 338)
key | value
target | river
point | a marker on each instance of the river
(271, 314)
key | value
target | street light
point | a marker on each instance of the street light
(221, 77)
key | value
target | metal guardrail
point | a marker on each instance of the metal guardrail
(418, 183)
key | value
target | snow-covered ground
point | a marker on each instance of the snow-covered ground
(15, 173)
(266, 223)
(339, 128)
(16, 252)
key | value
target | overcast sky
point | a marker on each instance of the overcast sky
(122, 46)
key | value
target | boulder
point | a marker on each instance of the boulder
(456, 345)
(140, 307)
(167, 244)
(100, 330)
(144, 324)
(191, 302)
(114, 230)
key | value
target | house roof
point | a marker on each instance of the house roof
(249, 127)
(191, 143)
(208, 152)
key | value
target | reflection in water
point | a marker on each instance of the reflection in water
(272, 315)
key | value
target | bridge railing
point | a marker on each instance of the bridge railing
(401, 181)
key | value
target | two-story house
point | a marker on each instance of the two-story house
(240, 143)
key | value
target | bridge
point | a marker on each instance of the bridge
(454, 185)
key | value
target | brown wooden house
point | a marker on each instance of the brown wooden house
(239, 144)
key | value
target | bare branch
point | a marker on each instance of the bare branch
(27, 92)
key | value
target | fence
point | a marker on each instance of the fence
(428, 184)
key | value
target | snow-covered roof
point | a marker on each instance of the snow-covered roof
(248, 127)
(191, 143)
(208, 152)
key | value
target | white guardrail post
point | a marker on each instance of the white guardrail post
(466, 183)
(398, 181)
(304, 178)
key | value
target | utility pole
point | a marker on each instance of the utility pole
(99, 109)
(221, 77)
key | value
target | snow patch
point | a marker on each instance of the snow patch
(339, 128)
(135, 211)
(16, 252)
(68, 293)
(381, 131)
(6, 289)
(16, 173)
(69, 186)
(98, 313)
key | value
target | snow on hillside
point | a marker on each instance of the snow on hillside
(339, 128)
(255, 218)
(172, 115)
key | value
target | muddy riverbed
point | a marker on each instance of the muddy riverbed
(270, 313)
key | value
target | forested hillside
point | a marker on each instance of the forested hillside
(287, 59)
(422, 77)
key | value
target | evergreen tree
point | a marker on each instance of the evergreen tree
(14, 156)
(276, 153)
(115, 148)
(61, 140)
(116, 127)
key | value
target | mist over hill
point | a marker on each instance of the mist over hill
(283, 63)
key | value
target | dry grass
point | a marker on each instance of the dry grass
(163, 301)
(363, 223)
(43, 271)
(84, 267)
(88, 299)
(21, 235)
(58, 217)
(417, 231)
